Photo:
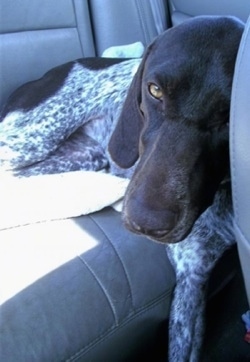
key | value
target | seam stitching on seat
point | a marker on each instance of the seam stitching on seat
(77, 25)
(105, 292)
(140, 10)
(120, 259)
(37, 30)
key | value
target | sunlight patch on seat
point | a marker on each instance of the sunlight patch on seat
(28, 253)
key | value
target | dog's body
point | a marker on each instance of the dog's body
(174, 119)
(63, 121)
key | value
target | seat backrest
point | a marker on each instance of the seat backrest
(36, 36)
(183, 9)
(120, 22)
(240, 153)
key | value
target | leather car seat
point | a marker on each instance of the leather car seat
(240, 153)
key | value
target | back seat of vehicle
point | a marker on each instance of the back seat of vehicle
(32, 43)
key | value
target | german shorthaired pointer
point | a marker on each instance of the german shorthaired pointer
(171, 134)
(175, 122)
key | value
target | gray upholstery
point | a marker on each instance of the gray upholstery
(36, 36)
(183, 9)
(123, 22)
(93, 289)
(240, 155)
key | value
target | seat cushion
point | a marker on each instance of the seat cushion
(79, 289)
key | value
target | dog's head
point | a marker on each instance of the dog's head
(175, 123)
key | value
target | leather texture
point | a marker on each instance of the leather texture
(36, 36)
(99, 291)
(240, 155)
(33, 41)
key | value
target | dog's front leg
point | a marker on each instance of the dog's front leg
(193, 260)
(186, 324)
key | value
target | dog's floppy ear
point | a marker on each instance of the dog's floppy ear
(124, 142)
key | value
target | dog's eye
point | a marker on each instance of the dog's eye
(155, 91)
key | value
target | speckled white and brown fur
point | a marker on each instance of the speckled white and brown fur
(193, 260)
(69, 129)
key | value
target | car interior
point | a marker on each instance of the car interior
(85, 288)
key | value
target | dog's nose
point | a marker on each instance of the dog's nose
(156, 234)
(156, 225)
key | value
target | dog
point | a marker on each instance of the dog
(170, 136)
(178, 107)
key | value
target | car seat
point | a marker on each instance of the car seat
(240, 155)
